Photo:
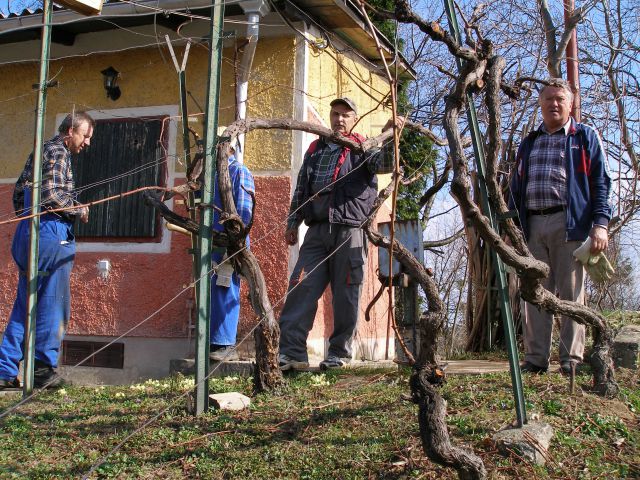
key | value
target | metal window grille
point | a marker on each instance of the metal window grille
(125, 154)
(74, 351)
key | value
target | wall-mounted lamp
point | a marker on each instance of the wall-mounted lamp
(110, 77)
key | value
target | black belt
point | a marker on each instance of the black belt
(546, 211)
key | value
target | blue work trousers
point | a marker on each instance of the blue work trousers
(225, 308)
(57, 250)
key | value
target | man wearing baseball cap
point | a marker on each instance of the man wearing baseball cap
(334, 194)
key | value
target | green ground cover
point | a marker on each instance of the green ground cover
(340, 425)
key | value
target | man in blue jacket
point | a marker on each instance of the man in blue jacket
(561, 190)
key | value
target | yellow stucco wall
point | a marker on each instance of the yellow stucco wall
(333, 74)
(148, 78)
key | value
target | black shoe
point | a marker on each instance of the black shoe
(9, 384)
(44, 376)
(223, 353)
(334, 362)
(565, 368)
(287, 363)
(528, 367)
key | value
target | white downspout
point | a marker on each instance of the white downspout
(254, 9)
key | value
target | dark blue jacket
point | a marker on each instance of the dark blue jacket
(588, 181)
(354, 192)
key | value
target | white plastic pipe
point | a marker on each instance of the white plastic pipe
(254, 10)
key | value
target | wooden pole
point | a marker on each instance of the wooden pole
(573, 76)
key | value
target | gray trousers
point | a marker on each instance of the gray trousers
(548, 243)
(313, 271)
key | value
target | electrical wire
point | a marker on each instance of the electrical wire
(174, 402)
(188, 287)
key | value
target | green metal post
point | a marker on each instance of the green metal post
(34, 232)
(503, 291)
(187, 156)
(206, 217)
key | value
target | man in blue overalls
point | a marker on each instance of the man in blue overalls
(56, 253)
(225, 282)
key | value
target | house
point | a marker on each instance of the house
(131, 276)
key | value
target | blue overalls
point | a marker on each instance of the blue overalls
(225, 301)
(225, 308)
(57, 249)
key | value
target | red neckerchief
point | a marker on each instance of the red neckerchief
(356, 137)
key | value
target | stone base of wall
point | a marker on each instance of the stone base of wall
(144, 358)
(363, 348)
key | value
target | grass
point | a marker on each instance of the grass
(339, 425)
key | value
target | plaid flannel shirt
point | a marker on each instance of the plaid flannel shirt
(57, 189)
(378, 161)
(547, 185)
(240, 177)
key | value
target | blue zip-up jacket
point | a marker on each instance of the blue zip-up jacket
(588, 181)
(240, 177)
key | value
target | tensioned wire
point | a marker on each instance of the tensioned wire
(229, 61)
(188, 287)
(115, 177)
(255, 242)
(15, 217)
(185, 394)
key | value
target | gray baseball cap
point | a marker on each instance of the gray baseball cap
(346, 101)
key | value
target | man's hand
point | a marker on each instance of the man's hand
(596, 264)
(84, 214)
(599, 239)
(389, 124)
(291, 236)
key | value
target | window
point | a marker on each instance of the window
(75, 351)
(125, 154)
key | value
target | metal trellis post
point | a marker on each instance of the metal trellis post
(34, 231)
(503, 291)
(186, 148)
(206, 216)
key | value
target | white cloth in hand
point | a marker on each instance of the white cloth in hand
(597, 265)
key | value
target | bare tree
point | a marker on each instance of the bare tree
(501, 73)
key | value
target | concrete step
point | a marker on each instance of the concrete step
(626, 347)
(186, 366)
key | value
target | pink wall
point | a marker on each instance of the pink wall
(139, 283)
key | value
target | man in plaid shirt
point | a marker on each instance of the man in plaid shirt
(225, 283)
(55, 256)
(561, 189)
(334, 194)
